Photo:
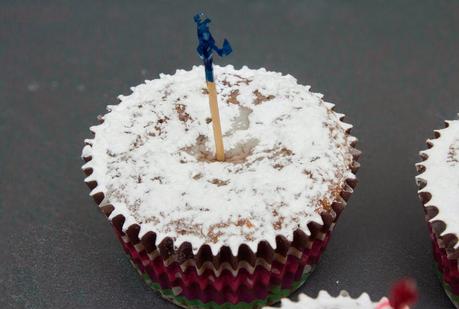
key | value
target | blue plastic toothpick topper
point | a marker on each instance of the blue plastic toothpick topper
(207, 45)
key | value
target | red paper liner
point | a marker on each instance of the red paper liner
(157, 268)
(244, 286)
(443, 245)
(225, 299)
(147, 253)
(448, 267)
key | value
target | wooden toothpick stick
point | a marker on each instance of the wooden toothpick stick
(213, 103)
(205, 50)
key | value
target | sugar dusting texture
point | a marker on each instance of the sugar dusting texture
(287, 158)
(342, 301)
(441, 176)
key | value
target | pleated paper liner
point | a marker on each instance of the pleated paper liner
(249, 279)
(445, 255)
(195, 296)
(446, 269)
(210, 299)
(261, 286)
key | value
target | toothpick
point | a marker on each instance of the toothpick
(213, 103)
(205, 50)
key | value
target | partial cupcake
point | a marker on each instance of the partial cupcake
(403, 295)
(438, 182)
(211, 234)
(326, 301)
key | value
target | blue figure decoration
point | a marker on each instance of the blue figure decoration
(207, 45)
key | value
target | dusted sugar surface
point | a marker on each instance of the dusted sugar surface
(342, 301)
(441, 176)
(287, 158)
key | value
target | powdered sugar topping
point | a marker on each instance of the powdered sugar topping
(288, 156)
(441, 176)
(342, 301)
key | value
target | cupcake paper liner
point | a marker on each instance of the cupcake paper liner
(445, 255)
(448, 290)
(249, 289)
(446, 271)
(210, 299)
(245, 280)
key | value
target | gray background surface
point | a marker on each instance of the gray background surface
(391, 66)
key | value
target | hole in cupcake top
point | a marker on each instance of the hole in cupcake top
(287, 158)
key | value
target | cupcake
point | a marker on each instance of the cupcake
(402, 296)
(438, 183)
(326, 301)
(205, 233)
